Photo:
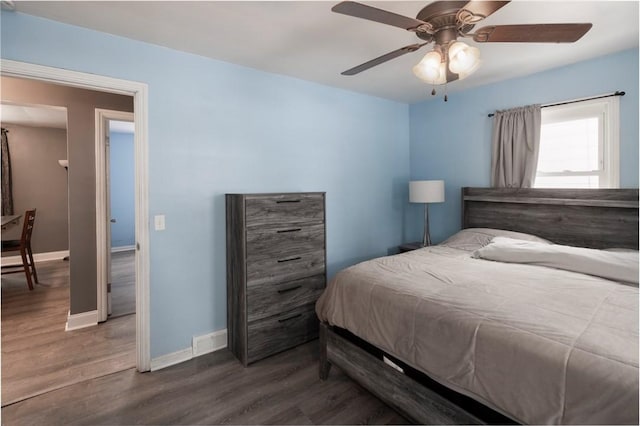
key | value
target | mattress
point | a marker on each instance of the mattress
(541, 345)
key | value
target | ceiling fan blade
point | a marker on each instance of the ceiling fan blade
(382, 59)
(534, 33)
(475, 11)
(363, 11)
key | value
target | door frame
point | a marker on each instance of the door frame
(139, 91)
(103, 249)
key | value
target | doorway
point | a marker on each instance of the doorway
(121, 295)
(115, 213)
(38, 354)
(140, 97)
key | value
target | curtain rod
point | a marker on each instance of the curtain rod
(616, 93)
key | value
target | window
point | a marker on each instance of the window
(579, 146)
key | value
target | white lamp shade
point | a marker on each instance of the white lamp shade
(426, 191)
(431, 69)
(463, 59)
(63, 163)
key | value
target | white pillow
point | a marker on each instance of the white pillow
(612, 265)
(471, 239)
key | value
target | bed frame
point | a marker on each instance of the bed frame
(597, 218)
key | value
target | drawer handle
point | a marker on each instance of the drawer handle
(280, 231)
(290, 318)
(289, 260)
(285, 290)
(287, 201)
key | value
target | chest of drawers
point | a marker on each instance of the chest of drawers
(276, 269)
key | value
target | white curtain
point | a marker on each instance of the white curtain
(515, 147)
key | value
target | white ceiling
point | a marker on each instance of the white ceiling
(34, 116)
(304, 39)
(48, 116)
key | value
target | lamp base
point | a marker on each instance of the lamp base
(426, 238)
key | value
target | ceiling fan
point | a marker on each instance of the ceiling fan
(442, 23)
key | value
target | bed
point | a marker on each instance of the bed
(534, 344)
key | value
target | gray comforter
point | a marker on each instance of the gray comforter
(540, 345)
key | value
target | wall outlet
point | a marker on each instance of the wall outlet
(159, 222)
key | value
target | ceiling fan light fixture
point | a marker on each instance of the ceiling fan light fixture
(463, 59)
(431, 68)
(442, 22)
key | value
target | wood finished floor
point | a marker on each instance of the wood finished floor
(212, 389)
(123, 283)
(53, 377)
(38, 355)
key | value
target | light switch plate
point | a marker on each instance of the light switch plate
(159, 222)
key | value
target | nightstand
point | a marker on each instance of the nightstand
(409, 246)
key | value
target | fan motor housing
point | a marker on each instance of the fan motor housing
(442, 16)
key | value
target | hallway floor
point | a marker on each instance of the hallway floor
(38, 355)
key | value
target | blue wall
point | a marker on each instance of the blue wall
(122, 184)
(452, 140)
(215, 128)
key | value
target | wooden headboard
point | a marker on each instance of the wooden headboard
(596, 218)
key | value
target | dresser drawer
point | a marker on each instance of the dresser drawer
(279, 242)
(285, 267)
(270, 299)
(284, 209)
(275, 334)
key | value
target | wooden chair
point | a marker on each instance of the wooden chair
(23, 245)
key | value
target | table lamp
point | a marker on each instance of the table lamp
(426, 192)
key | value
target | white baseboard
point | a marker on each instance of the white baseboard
(37, 257)
(200, 345)
(209, 342)
(173, 358)
(122, 248)
(81, 320)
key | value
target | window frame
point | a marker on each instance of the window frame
(608, 112)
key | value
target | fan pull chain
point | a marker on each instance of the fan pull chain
(446, 97)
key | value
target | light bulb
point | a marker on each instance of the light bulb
(431, 69)
(463, 75)
(463, 59)
(432, 59)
